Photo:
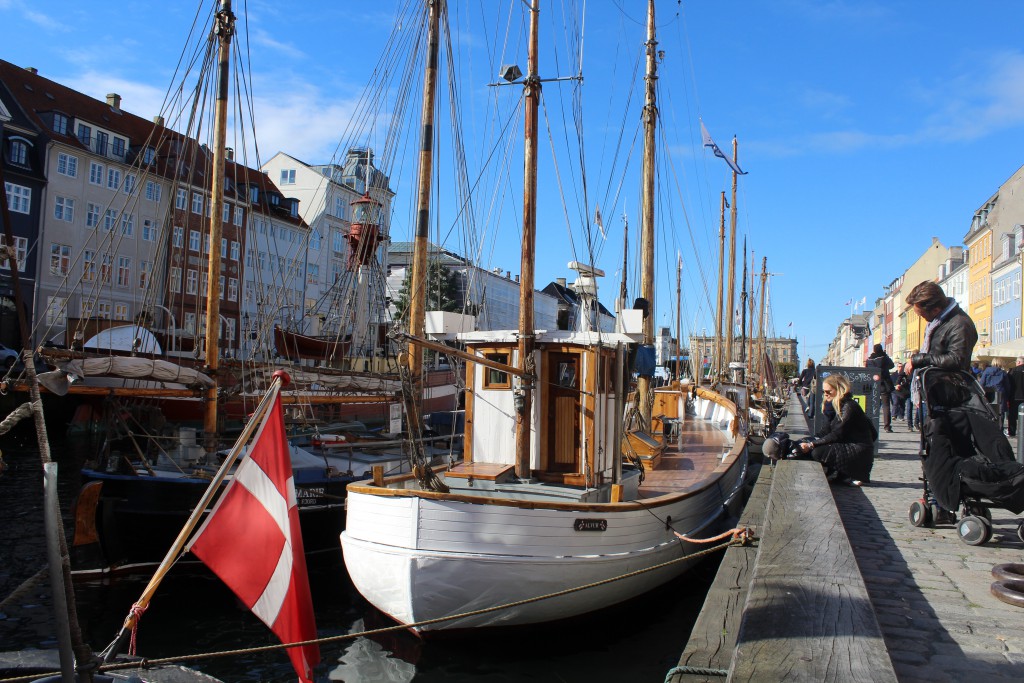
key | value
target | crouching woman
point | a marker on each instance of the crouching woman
(845, 445)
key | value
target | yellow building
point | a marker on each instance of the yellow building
(978, 242)
(926, 267)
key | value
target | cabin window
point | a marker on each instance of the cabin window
(496, 379)
(567, 374)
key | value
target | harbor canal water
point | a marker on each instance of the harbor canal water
(192, 613)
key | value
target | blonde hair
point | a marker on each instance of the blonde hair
(841, 386)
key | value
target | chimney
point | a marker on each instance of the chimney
(560, 281)
(158, 120)
(114, 100)
(32, 70)
(230, 152)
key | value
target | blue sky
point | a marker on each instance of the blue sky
(867, 128)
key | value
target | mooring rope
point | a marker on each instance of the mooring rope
(19, 414)
(737, 539)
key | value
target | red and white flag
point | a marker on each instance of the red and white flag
(252, 541)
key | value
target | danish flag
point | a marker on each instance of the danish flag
(252, 541)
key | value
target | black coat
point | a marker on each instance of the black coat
(806, 377)
(1017, 375)
(845, 446)
(951, 344)
(882, 364)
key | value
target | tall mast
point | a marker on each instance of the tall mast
(743, 308)
(418, 277)
(679, 319)
(732, 259)
(719, 339)
(764, 281)
(643, 384)
(531, 88)
(224, 29)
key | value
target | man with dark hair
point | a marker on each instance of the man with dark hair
(950, 336)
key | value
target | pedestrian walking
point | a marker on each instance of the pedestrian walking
(881, 363)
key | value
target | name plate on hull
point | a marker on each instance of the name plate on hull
(591, 525)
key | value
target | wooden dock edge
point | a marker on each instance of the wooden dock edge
(713, 638)
(794, 607)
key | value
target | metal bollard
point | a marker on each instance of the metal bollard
(1020, 434)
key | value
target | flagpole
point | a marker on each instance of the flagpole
(280, 380)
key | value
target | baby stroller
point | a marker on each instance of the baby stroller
(968, 463)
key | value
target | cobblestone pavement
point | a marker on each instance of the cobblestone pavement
(930, 590)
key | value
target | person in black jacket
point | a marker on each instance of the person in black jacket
(845, 446)
(806, 380)
(950, 336)
(1016, 396)
(881, 363)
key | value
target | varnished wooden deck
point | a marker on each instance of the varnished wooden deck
(688, 461)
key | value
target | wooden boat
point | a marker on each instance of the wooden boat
(296, 346)
(553, 493)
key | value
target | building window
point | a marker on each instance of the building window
(127, 225)
(95, 173)
(17, 152)
(340, 206)
(124, 271)
(67, 165)
(180, 199)
(19, 198)
(92, 215)
(101, 142)
(55, 314)
(179, 236)
(193, 240)
(225, 214)
(190, 323)
(204, 283)
(129, 183)
(149, 230)
(314, 240)
(221, 288)
(117, 147)
(338, 242)
(233, 289)
(191, 282)
(64, 209)
(146, 273)
(113, 178)
(88, 266)
(197, 203)
(287, 176)
(103, 310)
(206, 244)
(223, 247)
(234, 250)
(106, 266)
(120, 311)
(174, 283)
(109, 220)
(238, 216)
(148, 156)
(60, 124)
(85, 135)
(313, 274)
(496, 379)
(60, 259)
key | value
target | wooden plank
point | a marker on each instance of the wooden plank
(713, 637)
(808, 616)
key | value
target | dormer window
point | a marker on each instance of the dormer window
(17, 151)
(254, 194)
(275, 200)
(85, 134)
(148, 155)
(60, 123)
(293, 209)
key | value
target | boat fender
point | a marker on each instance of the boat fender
(1011, 571)
(1010, 591)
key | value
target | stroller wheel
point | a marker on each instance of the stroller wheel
(974, 530)
(920, 514)
(1020, 531)
(979, 511)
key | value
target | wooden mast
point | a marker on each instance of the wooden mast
(418, 277)
(761, 345)
(224, 29)
(643, 384)
(719, 339)
(743, 309)
(730, 325)
(531, 87)
(679, 319)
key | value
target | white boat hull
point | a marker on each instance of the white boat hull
(420, 559)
